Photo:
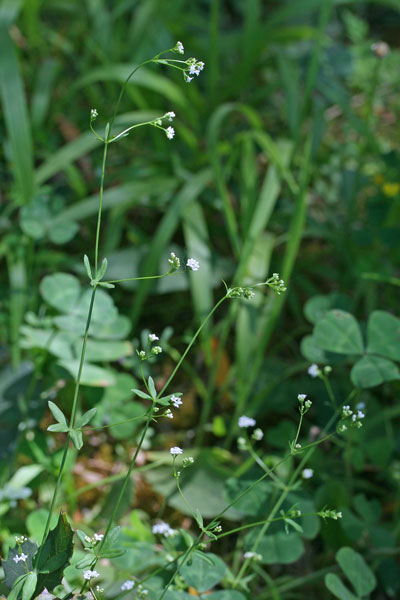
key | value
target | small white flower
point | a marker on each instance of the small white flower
(169, 115)
(175, 450)
(127, 585)
(188, 79)
(20, 557)
(298, 446)
(170, 131)
(163, 528)
(98, 537)
(313, 371)
(90, 574)
(307, 473)
(246, 421)
(179, 48)
(169, 414)
(93, 114)
(360, 414)
(257, 434)
(193, 264)
(153, 337)
(301, 397)
(88, 539)
(252, 556)
(176, 401)
(142, 354)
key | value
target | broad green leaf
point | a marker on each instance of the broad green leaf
(92, 375)
(372, 370)
(318, 306)
(356, 570)
(112, 545)
(29, 586)
(104, 350)
(58, 344)
(36, 521)
(61, 291)
(253, 503)
(12, 569)
(104, 310)
(57, 413)
(339, 332)
(116, 329)
(61, 233)
(338, 589)
(201, 575)
(277, 548)
(383, 334)
(55, 555)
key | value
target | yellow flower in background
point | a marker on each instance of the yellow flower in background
(391, 189)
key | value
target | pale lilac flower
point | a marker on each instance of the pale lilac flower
(175, 450)
(170, 131)
(301, 397)
(313, 370)
(193, 264)
(163, 528)
(153, 337)
(176, 401)
(90, 574)
(307, 473)
(20, 557)
(246, 421)
(188, 79)
(127, 585)
(360, 414)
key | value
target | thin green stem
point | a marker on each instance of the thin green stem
(103, 169)
(72, 421)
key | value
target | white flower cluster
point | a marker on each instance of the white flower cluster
(174, 262)
(194, 67)
(252, 556)
(179, 48)
(175, 451)
(307, 473)
(93, 114)
(193, 264)
(305, 405)
(95, 539)
(88, 575)
(314, 370)
(164, 529)
(351, 418)
(21, 540)
(176, 401)
(245, 422)
(127, 585)
(277, 284)
(20, 557)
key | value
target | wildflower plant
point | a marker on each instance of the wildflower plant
(30, 569)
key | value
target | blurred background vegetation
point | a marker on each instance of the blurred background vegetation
(286, 159)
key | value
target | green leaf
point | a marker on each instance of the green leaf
(76, 438)
(104, 310)
(141, 394)
(16, 115)
(85, 418)
(383, 333)
(356, 570)
(61, 291)
(277, 548)
(92, 375)
(36, 522)
(318, 306)
(57, 413)
(152, 388)
(338, 589)
(226, 595)
(58, 428)
(86, 262)
(198, 517)
(102, 269)
(104, 350)
(29, 586)
(61, 233)
(15, 592)
(339, 332)
(200, 575)
(13, 570)
(372, 370)
(24, 475)
(112, 546)
(55, 555)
